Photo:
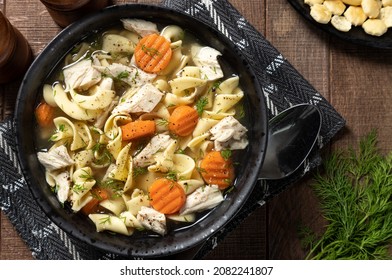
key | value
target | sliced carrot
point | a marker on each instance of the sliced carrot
(137, 129)
(166, 196)
(44, 113)
(153, 53)
(99, 195)
(183, 120)
(216, 170)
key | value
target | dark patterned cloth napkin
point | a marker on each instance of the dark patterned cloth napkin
(282, 86)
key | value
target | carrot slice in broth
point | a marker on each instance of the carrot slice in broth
(153, 53)
(216, 170)
(166, 196)
(183, 120)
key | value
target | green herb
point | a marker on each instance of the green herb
(78, 188)
(215, 86)
(226, 154)
(201, 104)
(230, 189)
(123, 75)
(172, 175)
(53, 138)
(104, 155)
(186, 187)
(139, 171)
(86, 175)
(163, 122)
(134, 78)
(62, 128)
(105, 220)
(114, 185)
(180, 151)
(150, 51)
(241, 112)
(355, 190)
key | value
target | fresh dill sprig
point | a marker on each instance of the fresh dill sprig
(201, 104)
(355, 190)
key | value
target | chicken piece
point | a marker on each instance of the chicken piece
(140, 26)
(131, 75)
(101, 119)
(55, 159)
(63, 183)
(146, 156)
(229, 134)
(152, 220)
(144, 100)
(206, 59)
(81, 75)
(201, 199)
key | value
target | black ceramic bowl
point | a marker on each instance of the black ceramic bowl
(78, 226)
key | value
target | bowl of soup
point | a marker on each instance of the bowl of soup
(140, 130)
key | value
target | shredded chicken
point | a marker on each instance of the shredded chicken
(207, 59)
(139, 26)
(203, 198)
(55, 159)
(81, 75)
(144, 100)
(63, 182)
(152, 220)
(229, 134)
(146, 156)
(131, 75)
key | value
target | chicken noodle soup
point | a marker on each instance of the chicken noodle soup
(143, 126)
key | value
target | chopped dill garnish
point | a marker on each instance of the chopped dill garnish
(114, 185)
(123, 75)
(226, 154)
(215, 86)
(150, 51)
(105, 220)
(180, 151)
(163, 122)
(172, 175)
(201, 104)
(78, 188)
(139, 171)
(86, 175)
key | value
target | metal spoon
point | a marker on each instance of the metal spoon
(291, 137)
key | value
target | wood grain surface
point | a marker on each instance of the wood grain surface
(356, 80)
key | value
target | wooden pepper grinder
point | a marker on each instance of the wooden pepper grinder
(64, 12)
(15, 52)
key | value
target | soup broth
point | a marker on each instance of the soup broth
(145, 129)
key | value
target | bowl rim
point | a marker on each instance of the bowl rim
(23, 102)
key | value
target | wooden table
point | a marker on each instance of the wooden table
(356, 80)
